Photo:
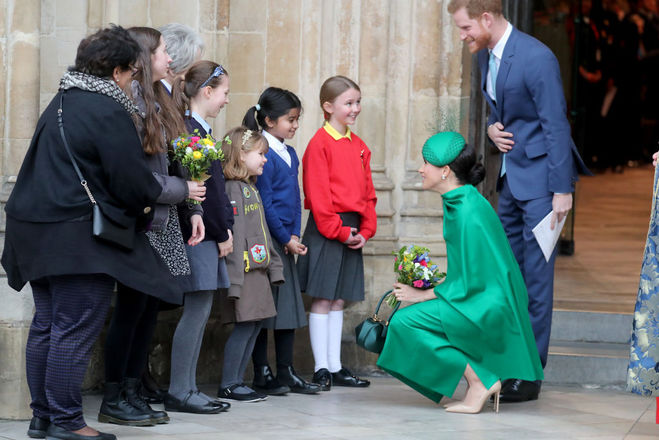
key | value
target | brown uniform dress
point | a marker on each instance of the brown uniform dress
(254, 263)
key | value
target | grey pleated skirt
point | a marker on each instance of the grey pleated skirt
(287, 296)
(331, 270)
(208, 271)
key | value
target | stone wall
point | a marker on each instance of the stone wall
(405, 55)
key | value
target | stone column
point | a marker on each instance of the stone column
(19, 100)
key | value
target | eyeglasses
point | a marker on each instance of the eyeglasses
(133, 70)
(219, 70)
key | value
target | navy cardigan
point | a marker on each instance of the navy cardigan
(280, 193)
(218, 213)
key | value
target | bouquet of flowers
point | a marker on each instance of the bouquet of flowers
(196, 154)
(413, 267)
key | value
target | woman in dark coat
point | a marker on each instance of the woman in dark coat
(49, 241)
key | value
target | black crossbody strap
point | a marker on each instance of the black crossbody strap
(60, 124)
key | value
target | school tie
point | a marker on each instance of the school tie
(493, 72)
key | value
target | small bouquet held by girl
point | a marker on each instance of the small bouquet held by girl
(196, 154)
(414, 268)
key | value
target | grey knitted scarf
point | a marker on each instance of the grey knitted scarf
(91, 83)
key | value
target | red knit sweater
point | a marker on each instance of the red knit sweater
(337, 178)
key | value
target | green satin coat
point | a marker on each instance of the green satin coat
(480, 315)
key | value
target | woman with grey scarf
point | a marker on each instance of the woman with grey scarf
(49, 240)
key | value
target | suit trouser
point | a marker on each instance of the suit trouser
(70, 313)
(518, 219)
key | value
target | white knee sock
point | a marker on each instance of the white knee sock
(318, 334)
(335, 329)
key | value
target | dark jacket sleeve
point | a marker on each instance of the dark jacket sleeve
(216, 216)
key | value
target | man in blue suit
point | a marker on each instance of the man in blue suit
(521, 82)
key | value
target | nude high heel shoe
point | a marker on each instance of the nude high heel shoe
(476, 408)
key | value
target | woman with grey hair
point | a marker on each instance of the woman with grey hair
(184, 46)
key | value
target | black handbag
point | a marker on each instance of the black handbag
(104, 228)
(372, 332)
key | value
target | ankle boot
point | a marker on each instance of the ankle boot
(116, 409)
(265, 382)
(150, 391)
(133, 396)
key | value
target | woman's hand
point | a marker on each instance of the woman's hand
(198, 230)
(226, 247)
(409, 294)
(196, 190)
(295, 247)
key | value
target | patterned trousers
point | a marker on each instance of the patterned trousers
(70, 313)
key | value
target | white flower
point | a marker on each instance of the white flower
(188, 150)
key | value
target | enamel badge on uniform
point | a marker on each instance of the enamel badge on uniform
(235, 208)
(246, 192)
(258, 253)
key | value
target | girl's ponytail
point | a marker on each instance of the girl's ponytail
(249, 120)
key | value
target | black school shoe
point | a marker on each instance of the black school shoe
(287, 376)
(38, 427)
(266, 383)
(344, 378)
(173, 403)
(229, 393)
(323, 378)
(56, 433)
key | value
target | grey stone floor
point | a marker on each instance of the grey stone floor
(390, 410)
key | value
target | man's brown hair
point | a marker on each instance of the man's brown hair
(476, 8)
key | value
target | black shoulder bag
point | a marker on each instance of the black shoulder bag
(103, 227)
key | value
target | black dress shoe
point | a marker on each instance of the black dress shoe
(323, 378)
(287, 376)
(56, 433)
(266, 383)
(517, 390)
(38, 427)
(177, 405)
(229, 393)
(344, 378)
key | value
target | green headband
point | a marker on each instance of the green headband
(442, 148)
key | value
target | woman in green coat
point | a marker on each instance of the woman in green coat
(475, 324)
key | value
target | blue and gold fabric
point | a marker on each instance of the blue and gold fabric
(643, 371)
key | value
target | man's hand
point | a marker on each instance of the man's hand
(502, 139)
(560, 205)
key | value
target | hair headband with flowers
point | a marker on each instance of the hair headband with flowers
(219, 70)
(246, 136)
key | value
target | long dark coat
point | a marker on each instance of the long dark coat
(49, 228)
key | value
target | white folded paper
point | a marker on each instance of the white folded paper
(544, 235)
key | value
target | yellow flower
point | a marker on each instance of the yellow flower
(196, 155)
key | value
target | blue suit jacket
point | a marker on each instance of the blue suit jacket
(530, 104)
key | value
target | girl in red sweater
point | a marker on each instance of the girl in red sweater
(339, 192)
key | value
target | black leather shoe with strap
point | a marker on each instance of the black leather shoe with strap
(323, 378)
(344, 378)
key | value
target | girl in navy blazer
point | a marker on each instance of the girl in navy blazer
(204, 91)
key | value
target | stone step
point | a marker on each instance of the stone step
(591, 327)
(587, 363)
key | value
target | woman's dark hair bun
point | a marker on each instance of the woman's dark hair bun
(466, 168)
